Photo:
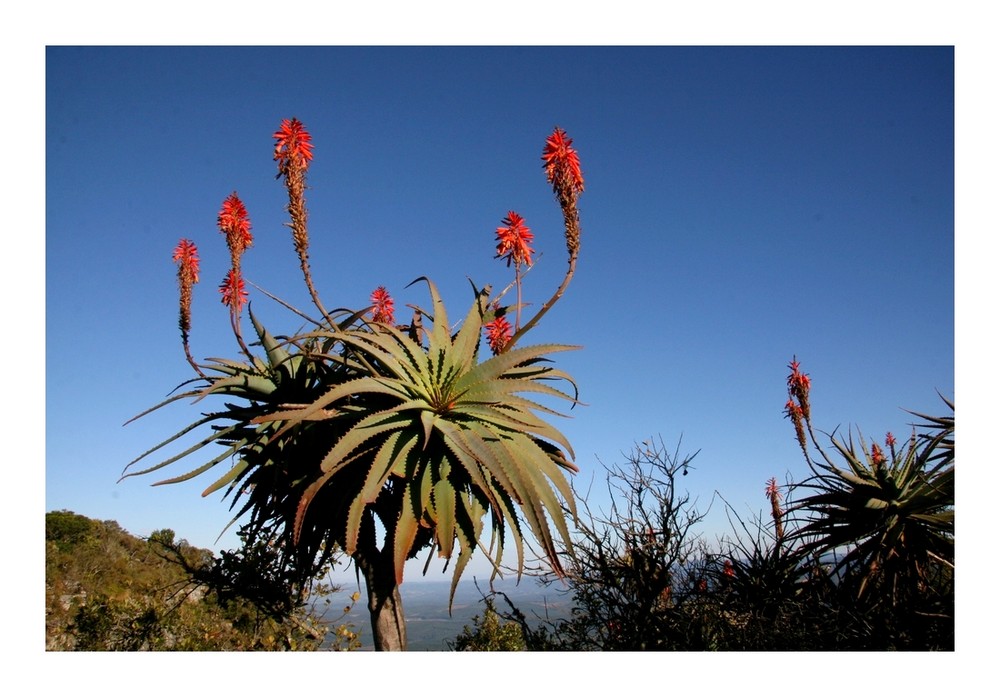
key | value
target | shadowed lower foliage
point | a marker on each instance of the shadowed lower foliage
(886, 523)
(861, 560)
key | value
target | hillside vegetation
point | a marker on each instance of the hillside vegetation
(859, 557)
(107, 590)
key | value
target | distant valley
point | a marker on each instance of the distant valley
(429, 627)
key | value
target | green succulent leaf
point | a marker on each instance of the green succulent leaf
(276, 354)
(227, 478)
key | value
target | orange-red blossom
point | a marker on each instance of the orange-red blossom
(513, 240)
(562, 163)
(498, 333)
(383, 310)
(878, 457)
(293, 146)
(797, 407)
(798, 387)
(233, 291)
(562, 169)
(234, 223)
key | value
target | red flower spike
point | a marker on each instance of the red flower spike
(798, 387)
(498, 333)
(878, 457)
(293, 145)
(562, 163)
(796, 380)
(727, 569)
(794, 412)
(234, 223)
(513, 240)
(383, 310)
(233, 291)
(186, 254)
(773, 492)
(890, 440)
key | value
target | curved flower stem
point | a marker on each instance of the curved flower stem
(517, 283)
(304, 264)
(186, 254)
(548, 305)
(571, 218)
(293, 151)
(815, 442)
(234, 319)
(190, 358)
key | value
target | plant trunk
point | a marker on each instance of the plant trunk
(388, 623)
(385, 604)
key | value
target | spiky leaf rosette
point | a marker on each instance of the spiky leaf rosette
(892, 518)
(433, 441)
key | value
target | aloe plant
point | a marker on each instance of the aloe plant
(892, 517)
(384, 440)
(887, 515)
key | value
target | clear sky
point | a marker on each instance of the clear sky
(742, 205)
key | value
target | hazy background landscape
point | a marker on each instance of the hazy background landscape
(429, 626)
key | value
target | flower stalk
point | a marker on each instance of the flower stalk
(186, 256)
(234, 223)
(293, 152)
(797, 408)
(562, 170)
(773, 494)
(513, 245)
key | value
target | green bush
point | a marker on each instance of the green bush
(489, 633)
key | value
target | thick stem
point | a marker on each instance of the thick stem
(385, 604)
(388, 623)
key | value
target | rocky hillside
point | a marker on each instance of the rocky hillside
(107, 590)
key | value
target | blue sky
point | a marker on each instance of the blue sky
(742, 205)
